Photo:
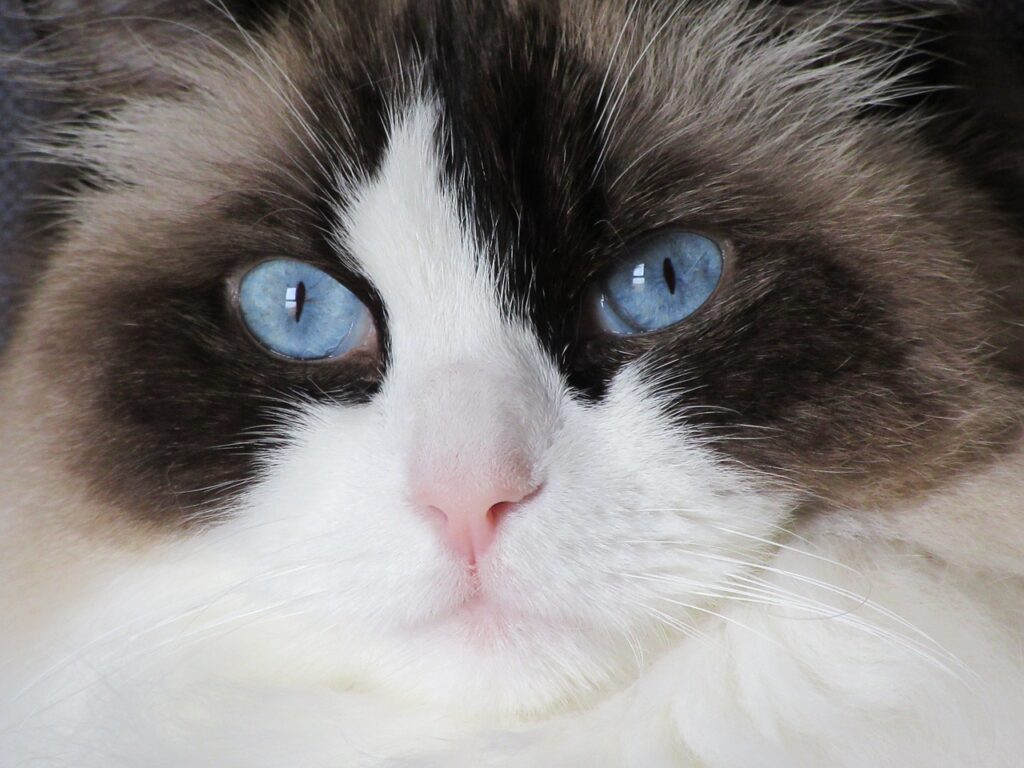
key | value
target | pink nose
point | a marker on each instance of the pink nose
(469, 515)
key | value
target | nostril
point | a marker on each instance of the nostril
(469, 521)
(513, 501)
(498, 511)
(436, 515)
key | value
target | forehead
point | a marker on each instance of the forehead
(506, 105)
(408, 233)
(559, 133)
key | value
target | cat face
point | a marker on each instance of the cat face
(502, 491)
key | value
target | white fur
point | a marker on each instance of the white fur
(651, 607)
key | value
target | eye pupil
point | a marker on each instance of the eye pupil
(295, 300)
(670, 275)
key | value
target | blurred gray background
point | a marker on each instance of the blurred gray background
(14, 113)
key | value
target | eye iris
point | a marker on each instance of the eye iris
(300, 312)
(631, 301)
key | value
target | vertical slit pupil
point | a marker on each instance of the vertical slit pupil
(670, 275)
(300, 300)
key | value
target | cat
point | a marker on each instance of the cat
(518, 383)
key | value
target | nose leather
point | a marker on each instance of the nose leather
(469, 515)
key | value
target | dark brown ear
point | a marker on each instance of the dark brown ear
(977, 121)
(103, 50)
(961, 69)
(977, 69)
(959, 65)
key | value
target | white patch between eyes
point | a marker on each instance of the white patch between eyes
(410, 238)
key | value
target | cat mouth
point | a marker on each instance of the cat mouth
(476, 596)
(479, 605)
(486, 612)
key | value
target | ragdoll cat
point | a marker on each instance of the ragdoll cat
(519, 383)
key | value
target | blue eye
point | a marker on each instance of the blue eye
(301, 312)
(666, 279)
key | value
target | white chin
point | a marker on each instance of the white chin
(481, 661)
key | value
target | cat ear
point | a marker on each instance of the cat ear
(978, 109)
(975, 119)
(103, 50)
(957, 69)
(960, 65)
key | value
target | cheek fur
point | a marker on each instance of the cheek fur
(638, 527)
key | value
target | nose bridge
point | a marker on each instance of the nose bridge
(474, 452)
(471, 422)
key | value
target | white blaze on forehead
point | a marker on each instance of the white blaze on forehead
(409, 236)
(469, 389)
